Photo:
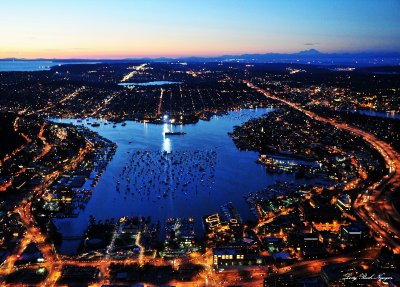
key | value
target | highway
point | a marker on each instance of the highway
(376, 208)
(311, 268)
(159, 108)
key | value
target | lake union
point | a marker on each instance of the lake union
(161, 176)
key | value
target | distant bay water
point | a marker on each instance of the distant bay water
(32, 65)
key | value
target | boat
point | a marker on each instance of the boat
(174, 133)
(95, 125)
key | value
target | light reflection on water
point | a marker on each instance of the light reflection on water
(166, 146)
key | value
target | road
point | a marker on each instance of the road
(33, 234)
(159, 108)
(46, 149)
(375, 209)
(312, 268)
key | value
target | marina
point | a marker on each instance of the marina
(174, 133)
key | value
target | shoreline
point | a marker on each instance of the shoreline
(187, 120)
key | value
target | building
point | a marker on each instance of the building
(317, 211)
(212, 222)
(387, 261)
(224, 257)
(282, 258)
(333, 274)
(344, 202)
(272, 243)
(354, 233)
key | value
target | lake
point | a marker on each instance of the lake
(154, 83)
(189, 175)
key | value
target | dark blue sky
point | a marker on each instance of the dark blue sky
(102, 28)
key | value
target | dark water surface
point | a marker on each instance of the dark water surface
(32, 65)
(380, 114)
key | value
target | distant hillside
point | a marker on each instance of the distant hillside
(310, 56)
